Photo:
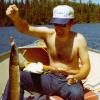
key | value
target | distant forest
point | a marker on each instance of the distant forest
(39, 12)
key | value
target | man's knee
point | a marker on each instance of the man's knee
(76, 95)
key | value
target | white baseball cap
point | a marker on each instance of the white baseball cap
(62, 14)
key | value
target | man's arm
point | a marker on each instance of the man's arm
(84, 57)
(63, 71)
(23, 26)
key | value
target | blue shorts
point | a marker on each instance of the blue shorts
(50, 84)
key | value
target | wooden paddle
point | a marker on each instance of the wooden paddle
(14, 74)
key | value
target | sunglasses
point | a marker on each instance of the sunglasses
(61, 25)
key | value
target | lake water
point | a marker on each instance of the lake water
(90, 31)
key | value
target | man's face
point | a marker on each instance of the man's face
(61, 29)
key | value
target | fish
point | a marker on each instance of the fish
(14, 73)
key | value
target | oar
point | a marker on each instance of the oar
(14, 73)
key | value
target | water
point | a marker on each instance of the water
(20, 39)
(90, 31)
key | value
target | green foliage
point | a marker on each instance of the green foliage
(36, 12)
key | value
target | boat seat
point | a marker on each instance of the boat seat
(88, 95)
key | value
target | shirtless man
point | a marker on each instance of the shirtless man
(64, 47)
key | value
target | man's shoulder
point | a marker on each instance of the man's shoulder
(80, 36)
(81, 40)
(50, 31)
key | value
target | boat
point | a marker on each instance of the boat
(37, 53)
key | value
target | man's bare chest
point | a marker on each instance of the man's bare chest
(62, 52)
(62, 49)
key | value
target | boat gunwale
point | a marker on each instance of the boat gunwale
(5, 55)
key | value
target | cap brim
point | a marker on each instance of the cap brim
(62, 21)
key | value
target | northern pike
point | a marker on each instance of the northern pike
(14, 73)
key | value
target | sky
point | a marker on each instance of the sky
(85, 1)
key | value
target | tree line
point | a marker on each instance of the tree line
(39, 12)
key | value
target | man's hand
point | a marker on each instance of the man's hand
(12, 12)
(71, 80)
